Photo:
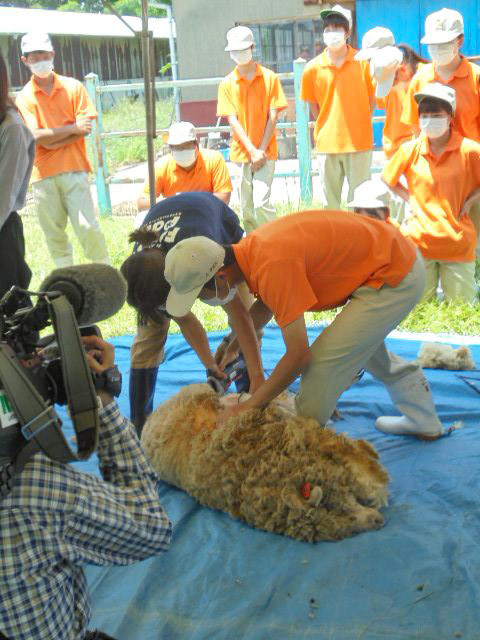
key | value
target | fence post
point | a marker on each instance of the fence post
(302, 112)
(98, 149)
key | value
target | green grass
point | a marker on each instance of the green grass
(128, 115)
(436, 316)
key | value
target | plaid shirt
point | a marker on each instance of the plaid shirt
(57, 518)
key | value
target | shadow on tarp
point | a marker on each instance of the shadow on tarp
(418, 577)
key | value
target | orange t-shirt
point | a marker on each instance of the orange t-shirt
(466, 82)
(343, 95)
(68, 101)
(438, 188)
(395, 132)
(251, 103)
(315, 260)
(210, 173)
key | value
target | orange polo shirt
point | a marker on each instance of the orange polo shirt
(343, 95)
(251, 103)
(395, 132)
(466, 82)
(438, 188)
(210, 173)
(68, 101)
(315, 260)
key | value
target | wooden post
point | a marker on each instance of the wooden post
(98, 149)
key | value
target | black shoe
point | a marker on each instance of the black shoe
(97, 635)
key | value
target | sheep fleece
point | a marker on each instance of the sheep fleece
(255, 466)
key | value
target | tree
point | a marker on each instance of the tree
(124, 7)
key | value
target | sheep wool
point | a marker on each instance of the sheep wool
(435, 355)
(272, 469)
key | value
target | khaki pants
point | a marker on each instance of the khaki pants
(147, 348)
(333, 168)
(64, 197)
(474, 214)
(457, 280)
(254, 191)
(355, 340)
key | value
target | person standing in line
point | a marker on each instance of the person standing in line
(250, 97)
(59, 113)
(341, 94)
(17, 150)
(444, 37)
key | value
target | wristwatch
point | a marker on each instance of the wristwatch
(109, 380)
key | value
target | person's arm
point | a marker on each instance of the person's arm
(65, 135)
(257, 156)
(269, 129)
(314, 109)
(194, 333)
(241, 323)
(143, 203)
(224, 196)
(399, 189)
(295, 360)
(472, 198)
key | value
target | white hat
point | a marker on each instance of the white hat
(440, 92)
(181, 132)
(371, 194)
(383, 65)
(189, 265)
(373, 40)
(337, 10)
(239, 38)
(442, 26)
(36, 41)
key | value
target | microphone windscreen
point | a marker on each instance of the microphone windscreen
(95, 291)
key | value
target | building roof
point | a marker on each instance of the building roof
(18, 21)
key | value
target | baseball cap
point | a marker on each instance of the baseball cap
(373, 40)
(371, 194)
(36, 41)
(339, 11)
(442, 26)
(384, 63)
(239, 38)
(440, 92)
(181, 132)
(189, 265)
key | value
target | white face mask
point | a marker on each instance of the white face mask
(334, 40)
(217, 301)
(434, 127)
(42, 69)
(184, 157)
(241, 57)
(443, 54)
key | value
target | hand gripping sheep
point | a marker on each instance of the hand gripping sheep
(271, 469)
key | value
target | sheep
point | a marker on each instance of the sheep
(435, 355)
(270, 468)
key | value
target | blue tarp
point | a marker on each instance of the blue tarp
(418, 577)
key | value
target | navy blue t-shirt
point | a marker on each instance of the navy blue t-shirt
(196, 213)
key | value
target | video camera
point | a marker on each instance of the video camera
(37, 373)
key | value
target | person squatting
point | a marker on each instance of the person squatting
(407, 232)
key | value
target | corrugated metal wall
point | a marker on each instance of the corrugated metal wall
(406, 18)
(112, 59)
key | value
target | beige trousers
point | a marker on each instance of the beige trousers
(64, 197)
(457, 280)
(254, 191)
(333, 168)
(474, 214)
(355, 340)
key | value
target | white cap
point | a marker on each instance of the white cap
(442, 26)
(239, 38)
(36, 41)
(373, 40)
(189, 265)
(383, 65)
(181, 132)
(338, 10)
(440, 92)
(371, 194)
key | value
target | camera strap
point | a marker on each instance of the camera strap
(40, 424)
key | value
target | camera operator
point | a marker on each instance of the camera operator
(57, 518)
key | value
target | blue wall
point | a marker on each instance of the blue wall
(406, 18)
